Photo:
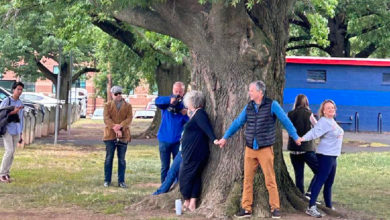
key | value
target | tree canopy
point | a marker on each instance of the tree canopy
(352, 29)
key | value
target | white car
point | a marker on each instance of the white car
(98, 114)
(144, 114)
(39, 98)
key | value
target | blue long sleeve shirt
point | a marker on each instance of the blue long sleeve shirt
(14, 128)
(172, 124)
(275, 110)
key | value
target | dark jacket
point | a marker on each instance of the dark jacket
(300, 117)
(5, 119)
(260, 125)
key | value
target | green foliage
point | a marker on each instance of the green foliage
(33, 30)
(366, 21)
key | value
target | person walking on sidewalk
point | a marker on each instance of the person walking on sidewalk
(260, 116)
(117, 118)
(303, 120)
(14, 130)
(329, 148)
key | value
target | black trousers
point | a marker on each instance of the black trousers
(298, 161)
(190, 178)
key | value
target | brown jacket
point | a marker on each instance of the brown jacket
(123, 117)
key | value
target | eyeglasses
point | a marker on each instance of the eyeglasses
(118, 93)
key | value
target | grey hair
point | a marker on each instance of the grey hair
(260, 85)
(180, 84)
(195, 98)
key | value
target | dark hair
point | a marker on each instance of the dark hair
(16, 84)
(301, 101)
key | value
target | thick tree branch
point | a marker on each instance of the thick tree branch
(299, 23)
(366, 52)
(83, 71)
(364, 31)
(46, 72)
(148, 19)
(118, 33)
(307, 46)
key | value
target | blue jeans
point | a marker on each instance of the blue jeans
(172, 176)
(121, 153)
(166, 150)
(326, 174)
(298, 161)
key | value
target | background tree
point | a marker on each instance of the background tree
(353, 29)
(231, 43)
(159, 59)
(33, 32)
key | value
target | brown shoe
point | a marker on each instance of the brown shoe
(8, 177)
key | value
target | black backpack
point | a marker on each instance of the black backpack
(5, 118)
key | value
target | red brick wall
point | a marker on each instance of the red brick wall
(139, 100)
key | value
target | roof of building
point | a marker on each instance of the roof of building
(338, 61)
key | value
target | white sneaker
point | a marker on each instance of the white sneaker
(312, 211)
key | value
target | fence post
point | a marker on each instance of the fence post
(356, 122)
(379, 125)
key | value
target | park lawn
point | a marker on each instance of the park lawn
(361, 183)
(65, 176)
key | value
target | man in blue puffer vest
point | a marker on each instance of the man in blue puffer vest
(174, 116)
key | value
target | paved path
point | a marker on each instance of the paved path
(91, 135)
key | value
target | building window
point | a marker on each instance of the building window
(56, 70)
(316, 76)
(29, 87)
(386, 78)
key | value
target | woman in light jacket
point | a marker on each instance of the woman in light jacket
(329, 148)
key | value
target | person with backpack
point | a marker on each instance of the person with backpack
(14, 129)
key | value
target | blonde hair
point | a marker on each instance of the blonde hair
(321, 110)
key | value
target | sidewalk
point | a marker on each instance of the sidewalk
(359, 142)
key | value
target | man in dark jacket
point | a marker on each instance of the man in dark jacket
(174, 116)
(260, 116)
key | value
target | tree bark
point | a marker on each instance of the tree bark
(166, 75)
(230, 47)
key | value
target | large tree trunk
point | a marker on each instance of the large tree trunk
(230, 47)
(339, 42)
(166, 75)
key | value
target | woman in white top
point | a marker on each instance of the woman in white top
(329, 148)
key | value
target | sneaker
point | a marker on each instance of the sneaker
(122, 185)
(243, 214)
(312, 211)
(4, 179)
(308, 195)
(106, 184)
(276, 213)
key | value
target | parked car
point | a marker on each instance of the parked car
(151, 106)
(29, 106)
(80, 95)
(98, 114)
(38, 98)
(144, 114)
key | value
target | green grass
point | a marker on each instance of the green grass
(362, 182)
(66, 176)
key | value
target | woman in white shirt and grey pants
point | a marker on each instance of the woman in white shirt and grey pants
(329, 148)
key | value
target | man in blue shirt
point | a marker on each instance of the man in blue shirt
(260, 116)
(174, 116)
(14, 130)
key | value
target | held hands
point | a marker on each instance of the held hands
(221, 142)
(299, 141)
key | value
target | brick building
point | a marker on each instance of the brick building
(139, 97)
